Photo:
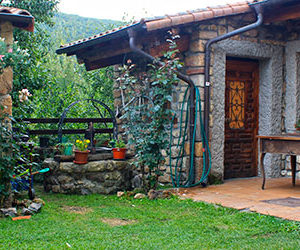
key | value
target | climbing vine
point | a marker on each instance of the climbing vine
(149, 115)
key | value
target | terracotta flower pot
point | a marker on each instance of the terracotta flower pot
(119, 153)
(81, 157)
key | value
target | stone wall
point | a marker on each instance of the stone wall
(6, 78)
(102, 177)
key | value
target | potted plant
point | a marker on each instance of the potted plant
(81, 151)
(119, 149)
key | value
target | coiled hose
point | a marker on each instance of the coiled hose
(177, 176)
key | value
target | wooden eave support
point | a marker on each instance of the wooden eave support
(280, 14)
(113, 53)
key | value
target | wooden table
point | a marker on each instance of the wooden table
(279, 144)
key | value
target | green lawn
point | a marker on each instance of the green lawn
(159, 224)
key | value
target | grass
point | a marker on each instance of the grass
(108, 222)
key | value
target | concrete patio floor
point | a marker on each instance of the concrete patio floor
(246, 194)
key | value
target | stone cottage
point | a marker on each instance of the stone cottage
(243, 58)
(11, 18)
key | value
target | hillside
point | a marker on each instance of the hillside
(69, 28)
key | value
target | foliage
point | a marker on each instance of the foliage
(61, 147)
(60, 80)
(32, 72)
(70, 83)
(82, 145)
(66, 82)
(8, 148)
(56, 80)
(156, 224)
(148, 118)
(11, 55)
(117, 143)
(15, 156)
(12, 157)
(68, 28)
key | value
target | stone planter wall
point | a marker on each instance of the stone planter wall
(102, 177)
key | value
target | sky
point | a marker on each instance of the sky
(133, 9)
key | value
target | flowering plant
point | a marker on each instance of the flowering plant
(11, 55)
(24, 94)
(82, 145)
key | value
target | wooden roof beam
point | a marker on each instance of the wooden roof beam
(281, 14)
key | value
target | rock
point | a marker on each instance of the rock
(88, 184)
(159, 194)
(12, 211)
(64, 179)
(70, 167)
(52, 180)
(137, 181)
(120, 165)
(152, 194)
(56, 188)
(50, 163)
(166, 194)
(100, 157)
(112, 176)
(69, 187)
(109, 183)
(95, 177)
(35, 207)
(26, 211)
(120, 194)
(139, 196)
(27, 203)
(130, 193)
(38, 200)
(8, 201)
(84, 191)
(97, 166)
(19, 203)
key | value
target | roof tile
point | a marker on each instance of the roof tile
(199, 15)
(18, 12)
(227, 10)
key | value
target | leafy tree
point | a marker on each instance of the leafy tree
(32, 74)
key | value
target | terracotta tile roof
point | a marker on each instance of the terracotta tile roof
(19, 17)
(198, 15)
(179, 19)
(98, 35)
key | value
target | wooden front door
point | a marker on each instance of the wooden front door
(241, 119)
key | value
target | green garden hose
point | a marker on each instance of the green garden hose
(177, 177)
